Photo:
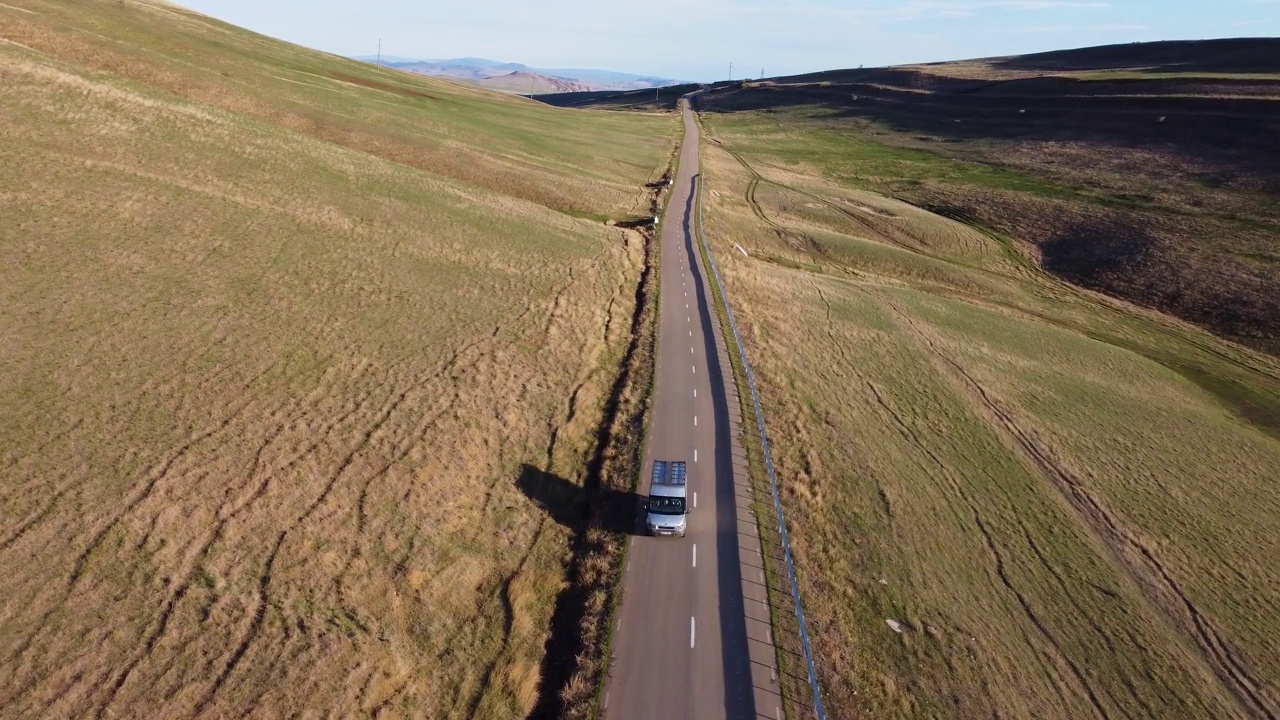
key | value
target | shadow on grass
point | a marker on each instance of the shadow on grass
(613, 511)
(616, 512)
(636, 222)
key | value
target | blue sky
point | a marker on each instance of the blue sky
(697, 39)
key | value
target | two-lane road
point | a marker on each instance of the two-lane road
(687, 645)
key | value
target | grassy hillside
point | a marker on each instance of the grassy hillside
(1148, 172)
(279, 334)
(1067, 502)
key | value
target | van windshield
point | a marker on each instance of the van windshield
(666, 505)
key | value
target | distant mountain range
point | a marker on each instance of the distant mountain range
(520, 78)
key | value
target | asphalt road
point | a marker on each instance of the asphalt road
(692, 639)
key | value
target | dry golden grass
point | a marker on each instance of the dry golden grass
(272, 356)
(1069, 502)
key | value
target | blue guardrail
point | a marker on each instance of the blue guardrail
(768, 462)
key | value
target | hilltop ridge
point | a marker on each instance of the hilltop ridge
(1148, 171)
(497, 75)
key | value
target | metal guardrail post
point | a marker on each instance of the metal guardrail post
(768, 461)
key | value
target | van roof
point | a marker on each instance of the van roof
(669, 472)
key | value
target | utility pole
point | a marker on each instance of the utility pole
(762, 73)
(379, 51)
(730, 72)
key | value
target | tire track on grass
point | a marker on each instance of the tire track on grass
(450, 366)
(782, 231)
(1127, 550)
(160, 473)
(993, 550)
(454, 366)
(264, 578)
(154, 477)
(182, 588)
(34, 518)
(385, 705)
(195, 566)
(1087, 614)
(508, 620)
(216, 535)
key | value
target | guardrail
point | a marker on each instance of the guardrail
(768, 462)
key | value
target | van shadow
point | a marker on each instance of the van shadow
(576, 508)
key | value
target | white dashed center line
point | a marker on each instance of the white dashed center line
(695, 421)
(692, 628)
(695, 456)
(695, 499)
(695, 555)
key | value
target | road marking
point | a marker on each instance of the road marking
(688, 319)
(695, 421)
(695, 392)
(690, 333)
(695, 456)
(695, 369)
(692, 627)
(695, 554)
(695, 499)
(691, 350)
(761, 576)
(606, 701)
(686, 306)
